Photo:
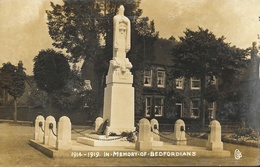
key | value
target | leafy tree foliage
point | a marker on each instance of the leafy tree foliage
(51, 70)
(74, 26)
(38, 98)
(12, 79)
(85, 30)
(72, 96)
(200, 54)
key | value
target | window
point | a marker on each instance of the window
(87, 85)
(194, 109)
(158, 108)
(178, 110)
(161, 78)
(148, 106)
(195, 83)
(147, 77)
(179, 83)
(214, 81)
(212, 110)
(154, 106)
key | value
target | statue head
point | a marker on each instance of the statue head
(121, 10)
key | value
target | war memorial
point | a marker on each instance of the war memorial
(115, 134)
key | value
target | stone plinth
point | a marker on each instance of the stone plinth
(144, 140)
(64, 134)
(119, 102)
(155, 129)
(49, 137)
(179, 133)
(39, 129)
(98, 122)
(214, 142)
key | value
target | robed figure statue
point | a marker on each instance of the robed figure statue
(122, 41)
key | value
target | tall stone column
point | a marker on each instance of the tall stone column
(119, 92)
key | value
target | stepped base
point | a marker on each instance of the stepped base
(102, 140)
(167, 150)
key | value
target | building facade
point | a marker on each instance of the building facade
(165, 98)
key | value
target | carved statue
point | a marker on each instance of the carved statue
(122, 42)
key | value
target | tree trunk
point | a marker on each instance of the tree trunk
(202, 102)
(15, 110)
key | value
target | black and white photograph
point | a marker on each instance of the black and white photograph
(129, 83)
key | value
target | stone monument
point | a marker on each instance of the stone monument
(39, 129)
(119, 92)
(98, 122)
(49, 131)
(144, 139)
(179, 137)
(214, 142)
(64, 134)
(155, 129)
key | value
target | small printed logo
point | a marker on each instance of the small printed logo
(237, 154)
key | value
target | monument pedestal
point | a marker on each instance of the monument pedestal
(102, 140)
(119, 102)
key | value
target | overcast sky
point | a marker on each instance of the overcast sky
(23, 29)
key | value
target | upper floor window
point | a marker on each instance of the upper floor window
(194, 108)
(147, 77)
(161, 77)
(213, 81)
(195, 83)
(179, 83)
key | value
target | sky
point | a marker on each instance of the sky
(24, 32)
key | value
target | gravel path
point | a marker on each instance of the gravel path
(15, 151)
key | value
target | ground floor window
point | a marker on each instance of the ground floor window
(178, 110)
(212, 110)
(154, 106)
(194, 109)
(148, 105)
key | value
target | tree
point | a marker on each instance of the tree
(79, 26)
(85, 30)
(74, 26)
(201, 55)
(72, 96)
(51, 71)
(13, 81)
(38, 98)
